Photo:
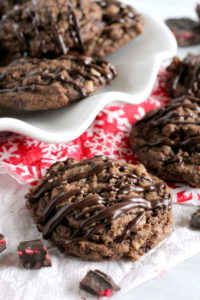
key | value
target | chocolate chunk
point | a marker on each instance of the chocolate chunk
(184, 76)
(185, 30)
(33, 254)
(99, 284)
(2, 243)
(198, 10)
(195, 220)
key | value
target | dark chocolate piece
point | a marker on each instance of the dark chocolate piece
(167, 140)
(85, 206)
(184, 76)
(195, 220)
(185, 30)
(99, 284)
(198, 10)
(2, 243)
(39, 84)
(33, 254)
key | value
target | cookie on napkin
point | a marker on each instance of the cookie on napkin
(167, 141)
(101, 208)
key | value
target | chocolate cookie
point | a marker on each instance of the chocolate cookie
(6, 5)
(121, 25)
(101, 209)
(50, 28)
(167, 141)
(40, 84)
(184, 76)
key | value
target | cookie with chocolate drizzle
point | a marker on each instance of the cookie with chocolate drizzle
(121, 25)
(101, 209)
(50, 27)
(184, 76)
(167, 141)
(6, 5)
(39, 84)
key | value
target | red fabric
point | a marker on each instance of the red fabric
(27, 159)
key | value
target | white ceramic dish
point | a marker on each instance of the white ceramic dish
(137, 65)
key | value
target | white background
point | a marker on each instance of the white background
(183, 281)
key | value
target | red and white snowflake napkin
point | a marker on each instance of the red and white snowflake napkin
(27, 159)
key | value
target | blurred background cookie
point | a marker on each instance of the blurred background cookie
(167, 141)
(40, 84)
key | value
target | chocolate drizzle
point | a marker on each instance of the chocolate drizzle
(93, 203)
(56, 32)
(45, 77)
(160, 116)
(184, 76)
(20, 35)
(95, 170)
(74, 25)
(168, 114)
(132, 226)
(33, 13)
(67, 209)
(60, 197)
(74, 28)
(176, 144)
(70, 16)
(105, 215)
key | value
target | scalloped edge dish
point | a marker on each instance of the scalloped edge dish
(137, 65)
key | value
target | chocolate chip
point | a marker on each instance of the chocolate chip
(185, 30)
(2, 243)
(33, 254)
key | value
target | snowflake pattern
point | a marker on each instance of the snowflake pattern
(27, 159)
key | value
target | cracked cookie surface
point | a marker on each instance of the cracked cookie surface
(167, 141)
(101, 209)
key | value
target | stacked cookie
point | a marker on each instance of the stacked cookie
(38, 83)
(46, 47)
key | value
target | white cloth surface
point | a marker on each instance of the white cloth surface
(61, 281)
